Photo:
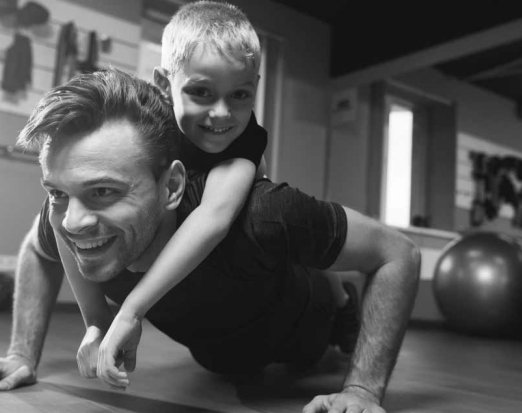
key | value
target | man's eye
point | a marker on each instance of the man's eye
(56, 196)
(200, 92)
(103, 192)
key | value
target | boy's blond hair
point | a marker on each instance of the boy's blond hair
(220, 25)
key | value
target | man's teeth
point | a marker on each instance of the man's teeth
(86, 245)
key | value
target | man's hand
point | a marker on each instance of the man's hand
(119, 346)
(87, 356)
(351, 400)
(15, 371)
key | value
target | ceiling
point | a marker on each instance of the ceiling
(366, 33)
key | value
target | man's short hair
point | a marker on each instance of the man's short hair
(220, 25)
(86, 102)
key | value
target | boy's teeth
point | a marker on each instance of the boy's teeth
(86, 245)
(217, 130)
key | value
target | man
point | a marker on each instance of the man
(117, 193)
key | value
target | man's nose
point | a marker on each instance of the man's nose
(220, 109)
(78, 217)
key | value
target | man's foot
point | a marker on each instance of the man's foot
(345, 329)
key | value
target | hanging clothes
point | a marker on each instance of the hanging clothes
(66, 54)
(32, 13)
(18, 64)
(90, 64)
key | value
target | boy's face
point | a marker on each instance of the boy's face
(213, 97)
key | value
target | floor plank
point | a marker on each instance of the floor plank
(438, 371)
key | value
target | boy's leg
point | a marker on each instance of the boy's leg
(347, 318)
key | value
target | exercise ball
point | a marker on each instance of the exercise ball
(6, 290)
(478, 284)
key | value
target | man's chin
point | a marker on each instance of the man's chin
(98, 273)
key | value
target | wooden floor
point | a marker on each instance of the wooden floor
(437, 371)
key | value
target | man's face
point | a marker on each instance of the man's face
(104, 201)
(213, 97)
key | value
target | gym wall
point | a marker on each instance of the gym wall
(301, 95)
(22, 194)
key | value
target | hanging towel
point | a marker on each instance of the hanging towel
(18, 65)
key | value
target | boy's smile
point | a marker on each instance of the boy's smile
(213, 97)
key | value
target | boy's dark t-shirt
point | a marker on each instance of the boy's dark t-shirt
(249, 145)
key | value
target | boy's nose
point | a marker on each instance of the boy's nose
(220, 110)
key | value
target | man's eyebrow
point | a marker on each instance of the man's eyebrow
(104, 181)
(90, 182)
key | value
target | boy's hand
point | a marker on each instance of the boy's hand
(119, 346)
(15, 371)
(87, 356)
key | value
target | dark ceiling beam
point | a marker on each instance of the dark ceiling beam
(513, 67)
(466, 45)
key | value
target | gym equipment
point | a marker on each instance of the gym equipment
(478, 284)
(6, 290)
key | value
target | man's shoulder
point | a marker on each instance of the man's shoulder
(275, 203)
(267, 195)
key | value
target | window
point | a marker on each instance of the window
(397, 162)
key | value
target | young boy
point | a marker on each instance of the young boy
(210, 61)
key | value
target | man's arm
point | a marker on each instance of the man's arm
(37, 284)
(392, 263)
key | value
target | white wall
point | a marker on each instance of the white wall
(305, 94)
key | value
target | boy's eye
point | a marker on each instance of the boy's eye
(200, 92)
(241, 94)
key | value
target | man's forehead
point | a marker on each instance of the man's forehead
(113, 149)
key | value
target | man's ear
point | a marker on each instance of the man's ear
(161, 80)
(174, 184)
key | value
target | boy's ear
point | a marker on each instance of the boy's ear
(161, 80)
(174, 184)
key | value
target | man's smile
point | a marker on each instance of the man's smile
(87, 245)
(92, 247)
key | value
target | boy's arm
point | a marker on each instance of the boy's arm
(89, 295)
(226, 190)
(95, 310)
(38, 282)
(392, 263)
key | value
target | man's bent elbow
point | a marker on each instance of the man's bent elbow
(411, 256)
